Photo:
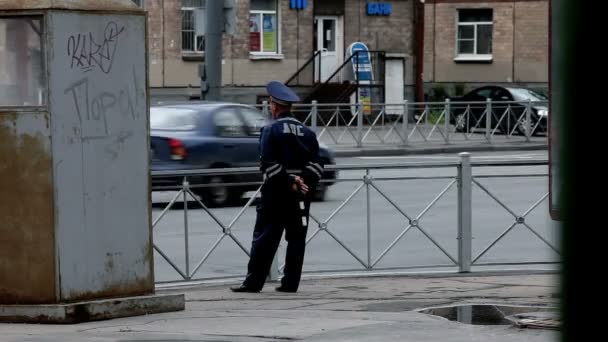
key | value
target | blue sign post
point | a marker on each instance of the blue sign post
(362, 69)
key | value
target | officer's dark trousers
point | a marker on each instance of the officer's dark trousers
(269, 226)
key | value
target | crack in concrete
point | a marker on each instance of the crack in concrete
(319, 304)
(122, 325)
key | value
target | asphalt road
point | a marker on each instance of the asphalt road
(350, 224)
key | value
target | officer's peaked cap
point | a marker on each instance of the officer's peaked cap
(280, 93)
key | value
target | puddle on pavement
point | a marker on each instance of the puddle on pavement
(521, 316)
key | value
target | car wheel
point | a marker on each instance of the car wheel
(214, 196)
(320, 193)
(522, 125)
(460, 122)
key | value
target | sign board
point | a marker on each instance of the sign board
(298, 4)
(362, 69)
(379, 8)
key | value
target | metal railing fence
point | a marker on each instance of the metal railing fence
(368, 181)
(412, 123)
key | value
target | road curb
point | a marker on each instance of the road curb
(200, 284)
(379, 152)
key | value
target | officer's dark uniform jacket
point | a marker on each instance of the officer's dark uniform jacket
(287, 147)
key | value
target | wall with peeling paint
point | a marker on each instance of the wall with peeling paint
(27, 260)
(99, 124)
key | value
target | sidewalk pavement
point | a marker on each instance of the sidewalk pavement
(325, 309)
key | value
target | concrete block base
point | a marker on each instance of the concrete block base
(95, 310)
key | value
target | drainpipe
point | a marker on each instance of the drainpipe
(162, 35)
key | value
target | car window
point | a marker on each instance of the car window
(172, 118)
(485, 92)
(228, 123)
(500, 94)
(254, 120)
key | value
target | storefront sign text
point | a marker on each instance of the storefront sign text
(379, 8)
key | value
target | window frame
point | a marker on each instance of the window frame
(482, 57)
(195, 49)
(278, 51)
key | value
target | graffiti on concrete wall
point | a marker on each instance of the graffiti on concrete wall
(97, 106)
(90, 50)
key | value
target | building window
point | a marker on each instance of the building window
(193, 21)
(139, 3)
(474, 37)
(23, 77)
(263, 29)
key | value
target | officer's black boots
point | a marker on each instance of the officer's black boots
(285, 289)
(243, 288)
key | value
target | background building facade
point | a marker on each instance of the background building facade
(272, 39)
(469, 43)
(446, 46)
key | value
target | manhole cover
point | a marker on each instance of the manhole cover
(488, 314)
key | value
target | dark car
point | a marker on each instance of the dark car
(205, 135)
(510, 100)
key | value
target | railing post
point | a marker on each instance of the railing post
(406, 119)
(446, 121)
(265, 110)
(489, 119)
(528, 120)
(465, 213)
(383, 113)
(313, 118)
(367, 179)
(186, 186)
(359, 113)
(321, 67)
(314, 64)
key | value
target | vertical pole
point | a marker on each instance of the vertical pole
(321, 67)
(314, 69)
(528, 120)
(383, 113)
(265, 110)
(313, 119)
(465, 214)
(186, 185)
(213, 48)
(446, 121)
(488, 119)
(359, 124)
(406, 119)
(337, 112)
(357, 77)
(367, 181)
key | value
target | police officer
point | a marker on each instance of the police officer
(289, 156)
